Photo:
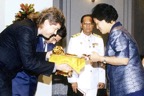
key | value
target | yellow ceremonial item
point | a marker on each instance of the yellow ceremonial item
(59, 57)
(76, 63)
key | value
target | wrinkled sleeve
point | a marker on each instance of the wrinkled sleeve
(31, 60)
(120, 44)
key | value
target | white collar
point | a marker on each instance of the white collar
(84, 35)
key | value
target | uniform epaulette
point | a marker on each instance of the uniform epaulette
(97, 35)
(75, 35)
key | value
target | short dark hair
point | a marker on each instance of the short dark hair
(62, 32)
(105, 12)
(86, 15)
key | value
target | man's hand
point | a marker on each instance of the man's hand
(63, 67)
(85, 56)
(101, 85)
(48, 54)
(74, 87)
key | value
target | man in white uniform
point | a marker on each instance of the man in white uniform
(91, 77)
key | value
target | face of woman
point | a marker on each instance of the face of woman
(54, 39)
(58, 38)
(48, 29)
(103, 26)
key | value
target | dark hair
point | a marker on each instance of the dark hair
(62, 32)
(105, 12)
(86, 15)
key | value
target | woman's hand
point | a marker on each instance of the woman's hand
(95, 57)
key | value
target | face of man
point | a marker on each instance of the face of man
(48, 29)
(87, 25)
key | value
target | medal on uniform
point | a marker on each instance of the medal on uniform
(94, 44)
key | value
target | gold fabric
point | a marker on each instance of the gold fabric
(76, 63)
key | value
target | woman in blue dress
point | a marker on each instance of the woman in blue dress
(124, 68)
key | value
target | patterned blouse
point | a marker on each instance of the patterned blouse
(124, 79)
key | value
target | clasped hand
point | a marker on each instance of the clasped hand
(95, 57)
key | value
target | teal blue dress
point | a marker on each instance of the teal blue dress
(124, 80)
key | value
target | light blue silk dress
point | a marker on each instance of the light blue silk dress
(124, 80)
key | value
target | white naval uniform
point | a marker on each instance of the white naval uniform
(89, 77)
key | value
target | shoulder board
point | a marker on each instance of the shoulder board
(97, 35)
(75, 35)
